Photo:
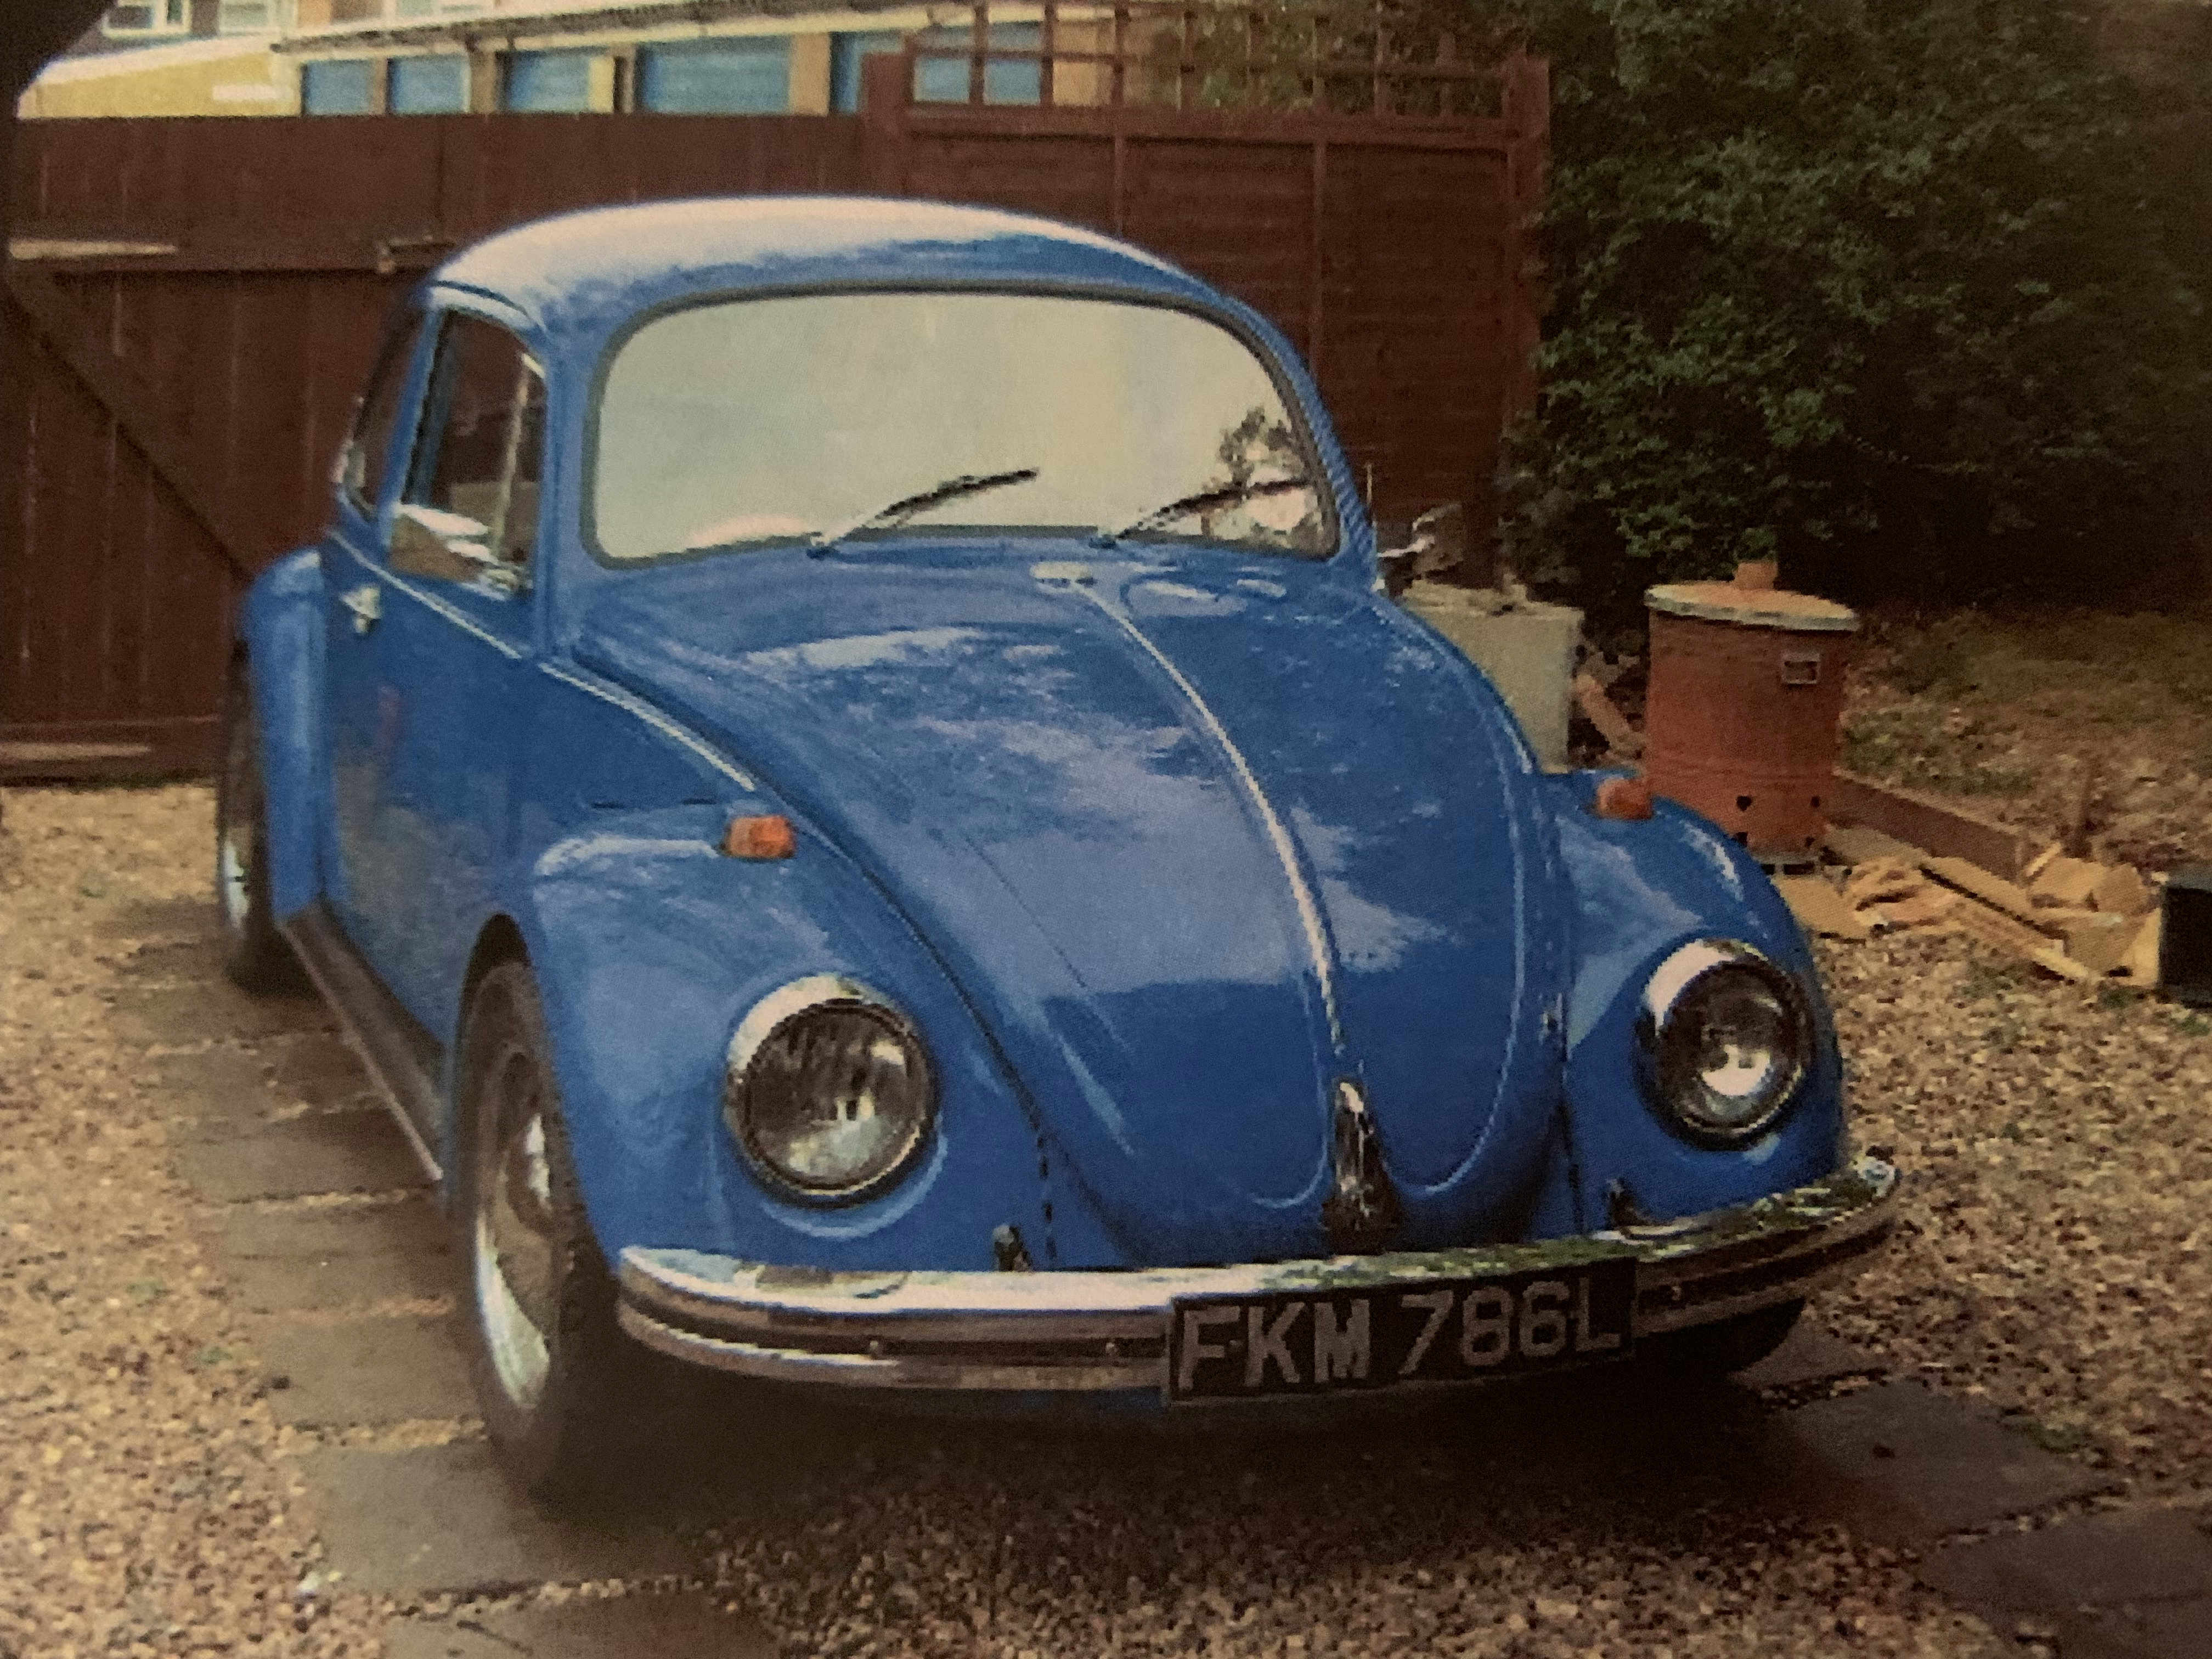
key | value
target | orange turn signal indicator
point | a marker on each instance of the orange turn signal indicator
(762, 837)
(1628, 799)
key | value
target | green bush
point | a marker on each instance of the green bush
(1898, 291)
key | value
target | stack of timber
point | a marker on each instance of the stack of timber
(2076, 918)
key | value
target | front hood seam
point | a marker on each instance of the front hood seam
(1321, 948)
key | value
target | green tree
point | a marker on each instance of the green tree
(1894, 290)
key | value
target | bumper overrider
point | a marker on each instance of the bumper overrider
(1113, 1331)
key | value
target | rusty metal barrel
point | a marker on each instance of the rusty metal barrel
(1745, 699)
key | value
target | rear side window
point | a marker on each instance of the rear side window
(369, 451)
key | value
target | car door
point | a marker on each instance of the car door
(447, 653)
(356, 708)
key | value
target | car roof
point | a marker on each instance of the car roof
(592, 270)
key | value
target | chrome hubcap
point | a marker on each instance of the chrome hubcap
(236, 836)
(514, 1266)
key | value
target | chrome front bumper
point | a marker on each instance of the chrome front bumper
(1102, 1332)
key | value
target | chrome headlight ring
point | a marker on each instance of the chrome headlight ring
(1724, 1038)
(829, 1091)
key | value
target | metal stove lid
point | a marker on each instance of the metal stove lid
(1750, 606)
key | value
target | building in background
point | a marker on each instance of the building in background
(170, 57)
(456, 57)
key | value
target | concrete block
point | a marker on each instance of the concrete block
(158, 918)
(1809, 1355)
(320, 1071)
(2157, 1630)
(2103, 1561)
(355, 1151)
(213, 1094)
(339, 1257)
(1527, 651)
(182, 1014)
(437, 1519)
(366, 1371)
(1907, 1464)
(629, 1627)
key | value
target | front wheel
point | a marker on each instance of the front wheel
(553, 1370)
(254, 954)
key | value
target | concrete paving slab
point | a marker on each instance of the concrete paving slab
(2161, 1630)
(215, 1093)
(365, 1371)
(1810, 1355)
(319, 1070)
(197, 961)
(444, 1519)
(356, 1152)
(182, 1014)
(340, 1257)
(2105, 1561)
(632, 1627)
(166, 919)
(1907, 1464)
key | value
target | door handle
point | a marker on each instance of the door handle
(367, 603)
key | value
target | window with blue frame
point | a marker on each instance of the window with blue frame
(344, 86)
(945, 80)
(429, 85)
(748, 75)
(846, 53)
(548, 83)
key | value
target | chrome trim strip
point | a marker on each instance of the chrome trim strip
(1318, 945)
(638, 709)
(952, 1373)
(459, 619)
(1096, 1330)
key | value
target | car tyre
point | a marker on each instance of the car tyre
(1728, 1346)
(255, 955)
(555, 1374)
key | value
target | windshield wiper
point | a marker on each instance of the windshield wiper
(1220, 496)
(891, 517)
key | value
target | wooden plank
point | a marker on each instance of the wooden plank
(1993, 926)
(1224, 126)
(1994, 890)
(128, 749)
(1929, 824)
(73, 339)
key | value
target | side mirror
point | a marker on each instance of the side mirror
(1439, 542)
(427, 541)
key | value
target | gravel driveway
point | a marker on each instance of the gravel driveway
(152, 1503)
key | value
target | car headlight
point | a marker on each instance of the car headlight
(1725, 1038)
(829, 1091)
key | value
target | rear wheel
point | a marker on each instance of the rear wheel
(554, 1372)
(254, 954)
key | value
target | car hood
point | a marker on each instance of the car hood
(1197, 842)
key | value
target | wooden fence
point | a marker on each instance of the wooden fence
(203, 297)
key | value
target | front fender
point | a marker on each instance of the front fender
(649, 946)
(1642, 889)
(282, 626)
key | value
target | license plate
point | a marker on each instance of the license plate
(1438, 1330)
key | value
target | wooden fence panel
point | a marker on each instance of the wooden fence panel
(207, 295)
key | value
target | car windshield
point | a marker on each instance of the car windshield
(748, 422)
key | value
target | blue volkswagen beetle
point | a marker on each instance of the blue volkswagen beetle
(850, 768)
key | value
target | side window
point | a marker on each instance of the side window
(483, 435)
(367, 457)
